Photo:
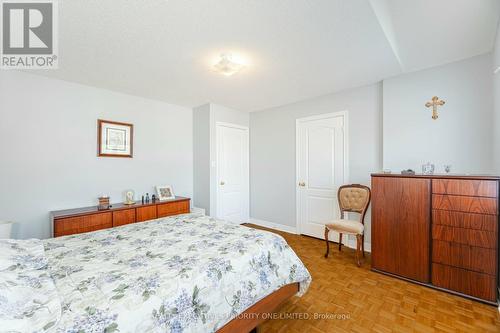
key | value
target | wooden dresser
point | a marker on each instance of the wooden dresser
(439, 230)
(80, 220)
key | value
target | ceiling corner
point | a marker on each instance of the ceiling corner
(383, 15)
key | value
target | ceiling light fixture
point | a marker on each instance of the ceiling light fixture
(227, 65)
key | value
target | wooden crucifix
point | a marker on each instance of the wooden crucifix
(435, 102)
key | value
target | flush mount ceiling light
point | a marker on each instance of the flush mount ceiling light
(228, 65)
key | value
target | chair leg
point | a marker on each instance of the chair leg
(358, 249)
(340, 242)
(327, 243)
(363, 245)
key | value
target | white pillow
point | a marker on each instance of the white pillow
(22, 254)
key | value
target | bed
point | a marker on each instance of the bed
(187, 273)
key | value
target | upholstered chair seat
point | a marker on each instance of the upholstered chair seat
(352, 199)
(350, 227)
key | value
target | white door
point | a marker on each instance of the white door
(321, 169)
(232, 172)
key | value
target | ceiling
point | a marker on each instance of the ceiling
(297, 49)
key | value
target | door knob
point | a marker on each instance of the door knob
(302, 184)
(222, 183)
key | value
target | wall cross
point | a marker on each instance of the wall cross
(435, 102)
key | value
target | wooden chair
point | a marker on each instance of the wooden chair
(353, 198)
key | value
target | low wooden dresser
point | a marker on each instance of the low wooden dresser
(86, 219)
(439, 230)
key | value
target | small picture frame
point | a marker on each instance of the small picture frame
(165, 192)
(114, 139)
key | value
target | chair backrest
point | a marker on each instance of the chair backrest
(354, 198)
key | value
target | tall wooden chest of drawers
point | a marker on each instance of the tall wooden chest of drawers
(441, 231)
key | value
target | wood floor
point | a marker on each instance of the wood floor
(359, 300)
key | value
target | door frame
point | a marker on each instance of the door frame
(299, 121)
(246, 130)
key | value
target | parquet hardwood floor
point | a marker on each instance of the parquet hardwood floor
(371, 302)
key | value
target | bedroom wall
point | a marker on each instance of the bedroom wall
(205, 118)
(496, 101)
(48, 131)
(201, 157)
(462, 136)
(389, 128)
(272, 149)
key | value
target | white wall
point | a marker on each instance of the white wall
(496, 101)
(462, 136)
(48, 131)
(407, 136)
(272, 149)
(205, 150)
(201, 157)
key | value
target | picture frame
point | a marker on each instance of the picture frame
(165, 192)
(114, 139)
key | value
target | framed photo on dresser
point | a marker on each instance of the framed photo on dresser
(165, 192)
(114, 139)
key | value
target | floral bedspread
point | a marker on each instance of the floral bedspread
(29, 301)
(187, 273)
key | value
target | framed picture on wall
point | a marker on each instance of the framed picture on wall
(114, 139)
(165, 192)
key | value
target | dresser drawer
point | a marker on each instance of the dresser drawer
(465, 204)
(474, 188)
(472, 258)
(122, 217)
(480, 238)
(81, 224)
(145, 213)
(463, 281)
(172, 208)
(465, 220)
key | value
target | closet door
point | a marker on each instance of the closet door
(401, 218)
(232, 172)
(321, 170)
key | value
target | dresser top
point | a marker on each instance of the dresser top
(113, 207)
(438, 176)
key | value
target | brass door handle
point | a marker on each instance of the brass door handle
(302, 184)
(222, 183)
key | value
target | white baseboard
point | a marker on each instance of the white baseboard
(198, 210)
(351, 243)
(275, 226)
